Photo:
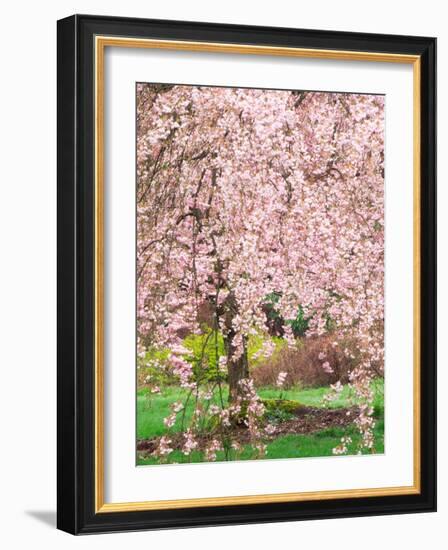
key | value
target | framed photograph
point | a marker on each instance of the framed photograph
(246, 274)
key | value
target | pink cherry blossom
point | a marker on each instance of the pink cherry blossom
(327, 368)
(245, 193)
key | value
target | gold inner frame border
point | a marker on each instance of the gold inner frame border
(100, 44)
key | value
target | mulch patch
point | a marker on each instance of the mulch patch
(306, 420)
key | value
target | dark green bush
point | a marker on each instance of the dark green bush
(280, 410)
(276, 322)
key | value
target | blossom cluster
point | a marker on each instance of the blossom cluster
(242, 193)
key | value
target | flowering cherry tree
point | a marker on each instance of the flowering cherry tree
(245, 194)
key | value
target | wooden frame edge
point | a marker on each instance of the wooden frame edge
(100, 43)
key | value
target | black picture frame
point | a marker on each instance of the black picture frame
(76, 255)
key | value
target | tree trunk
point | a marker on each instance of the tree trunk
(238, 369)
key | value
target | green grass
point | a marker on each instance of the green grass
(153, 408)
(313, 397)
(291, 446)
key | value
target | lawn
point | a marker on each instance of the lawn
(153, 408)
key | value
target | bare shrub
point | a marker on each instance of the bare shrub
(305, 365)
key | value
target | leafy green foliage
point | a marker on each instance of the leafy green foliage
(299, 324)
(280, 410)
(205, 351)
(153, 367)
